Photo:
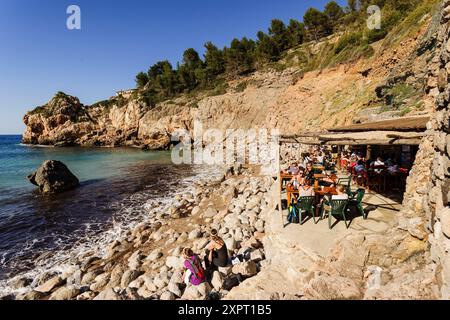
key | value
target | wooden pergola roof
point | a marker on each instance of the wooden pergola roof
(398, 124)
(400, 131)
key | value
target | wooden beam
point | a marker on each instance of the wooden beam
(405, 135)
(374, 142)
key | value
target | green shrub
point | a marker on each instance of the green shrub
(351, 40)
(241, 86)
(376, 35)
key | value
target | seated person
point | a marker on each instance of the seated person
(306, 189)
(307, 160)
(309, 173)
(216, 252)
(341, 193)
(297, 180)
(293, 169)
(393, 169)
(194, 273)
(320, 158)
(327, 182)
(378, 163)
(360, 168)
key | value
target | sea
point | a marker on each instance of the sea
(42, 232)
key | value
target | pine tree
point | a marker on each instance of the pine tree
(141, 79)
(334, 12)
(317, 24)
(296, 33)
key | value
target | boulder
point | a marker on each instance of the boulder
(108, 294)
(30, 295)
(231, 244)
(154, 255)
(257, 255)
(210, 213)
(174, 262)
(167, 295)
(177, 277)
(134, 262)
(100, 282)
(129, 276)
(246, 269)
(53, 177)
(65, 293)
(50, 285)
(88, 295)
(191, 293)
(217, 280)
(204, 289)
(195, 234)
(19, 282)
(174, 288)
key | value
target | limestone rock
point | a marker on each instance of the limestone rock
(108, 294)
(445, 221)
(53, 177)
(65, 293)
(129, 276)
(167, 295)
(217, 280)
(246, 269)
(50, 285)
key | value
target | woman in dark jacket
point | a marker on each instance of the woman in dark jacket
(216, 252)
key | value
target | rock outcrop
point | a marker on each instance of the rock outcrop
(54, 177)
(427, 200)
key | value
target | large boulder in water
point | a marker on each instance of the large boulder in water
(53, 177)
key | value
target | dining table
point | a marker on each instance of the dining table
(285, 177)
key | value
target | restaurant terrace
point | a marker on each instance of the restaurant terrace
(369, 161)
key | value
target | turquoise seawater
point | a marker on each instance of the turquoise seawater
(117, 188)
(17, 161)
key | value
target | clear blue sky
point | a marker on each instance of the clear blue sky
(40, 56)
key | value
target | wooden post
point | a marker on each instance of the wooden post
(369, 152)
(338, 164)
(281, 183)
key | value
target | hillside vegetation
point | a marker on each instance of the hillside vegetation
(282, 41)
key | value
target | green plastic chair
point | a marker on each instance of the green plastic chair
(347, 182)
(337, 208)
(357, 199)
(306, 205)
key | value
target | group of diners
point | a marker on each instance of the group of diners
(364, 171)
(314, 188)
(356, 162)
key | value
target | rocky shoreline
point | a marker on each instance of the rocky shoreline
(147, 263)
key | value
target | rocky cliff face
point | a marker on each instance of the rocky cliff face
(426, 212)
(391, 83)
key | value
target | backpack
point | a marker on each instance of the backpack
(293, 214)
(199, 272)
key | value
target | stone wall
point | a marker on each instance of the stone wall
(426, 212)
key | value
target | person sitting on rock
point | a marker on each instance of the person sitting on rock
(216, 252)
(194, 273)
